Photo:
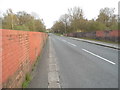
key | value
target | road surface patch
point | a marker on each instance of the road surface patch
(53, 75)
(53, 67)
(54, 85)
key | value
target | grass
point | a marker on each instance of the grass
(28, 76)
(102, 41)
(27, 81)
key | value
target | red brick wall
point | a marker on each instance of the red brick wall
(20, 51)
(0, 59)
(100, 33)
(112, 33)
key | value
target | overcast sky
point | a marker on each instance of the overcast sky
(51, 10)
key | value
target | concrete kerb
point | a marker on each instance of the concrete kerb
(93, 42)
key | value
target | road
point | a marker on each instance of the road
(85, 65)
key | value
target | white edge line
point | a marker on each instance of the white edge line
(99, 56)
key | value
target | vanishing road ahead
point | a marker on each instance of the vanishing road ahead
(85, 65)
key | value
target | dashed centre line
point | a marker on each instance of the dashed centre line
(69, 43)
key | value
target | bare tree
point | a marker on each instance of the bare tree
(75, 13)
(65, 19)
(107, 16)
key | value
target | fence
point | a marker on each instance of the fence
(111, 35)
(20, 50)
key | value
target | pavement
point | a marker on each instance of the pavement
(40, 73)
(46, 72)
(70, 63)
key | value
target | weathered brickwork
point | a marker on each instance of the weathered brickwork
(20, 50)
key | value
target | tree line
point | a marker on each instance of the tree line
(21, 21)
(74, 21)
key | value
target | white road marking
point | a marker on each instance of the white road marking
(98, 56)
(69, 43)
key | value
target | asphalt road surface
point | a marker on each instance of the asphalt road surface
(85, 65)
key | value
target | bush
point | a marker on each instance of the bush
(23, 28)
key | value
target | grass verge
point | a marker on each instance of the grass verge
(111, 42)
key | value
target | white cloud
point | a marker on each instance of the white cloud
(50, 10)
